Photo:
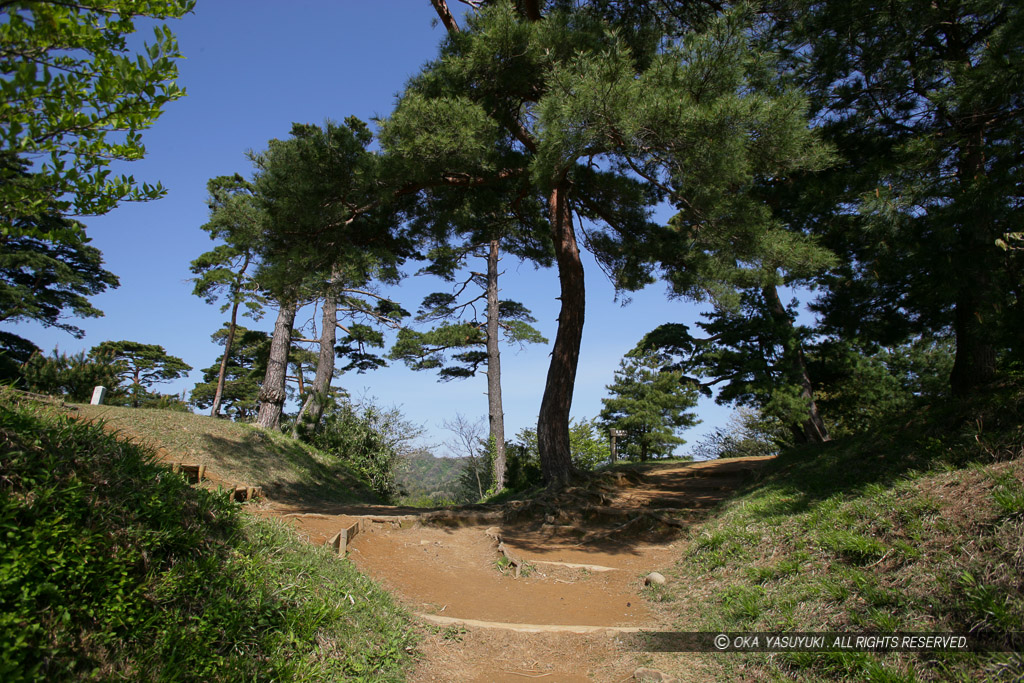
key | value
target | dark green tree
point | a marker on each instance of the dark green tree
(751, 355)
(76, 96)
(73, 376)
(590, 109)
(326, 230)
(236, 220)
(43, 281)
(466, 338)
(140, 366)
(923, 102)
(243, 371)
(651, 403)
(47, 268)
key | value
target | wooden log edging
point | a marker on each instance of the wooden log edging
(341, 539)
(195, 473)
(529, 628)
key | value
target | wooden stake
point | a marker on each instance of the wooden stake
(341, 539)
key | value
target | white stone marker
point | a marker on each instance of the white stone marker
(98, 394)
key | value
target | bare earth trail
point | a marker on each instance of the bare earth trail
(585, 554)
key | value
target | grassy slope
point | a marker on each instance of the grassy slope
(112, 568)
(918, 527)
(288, 471)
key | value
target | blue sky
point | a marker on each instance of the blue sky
(251, 68)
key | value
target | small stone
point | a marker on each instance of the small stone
(651, 676)
(654, 578)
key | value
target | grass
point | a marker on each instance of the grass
(113, 568)
(289, 471)
(917, 527)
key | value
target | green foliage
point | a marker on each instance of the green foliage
(75, 98)
(140, 365)
(42, 280)
(113, 568)
(588, 442)
(373, 441)
(649, 402)
(15, 351)
(236, 218)
(427, 481)
(746, 355)
(73, 376)
(873, 533)
(456, 347)
(247, 363)
(859, 390)
(47, 267)
(748, 433)
(318, 191)
(921, 101)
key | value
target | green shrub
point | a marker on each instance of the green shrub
(112, 567)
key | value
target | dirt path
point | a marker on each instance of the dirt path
(585, 556)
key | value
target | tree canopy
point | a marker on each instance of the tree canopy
(76, 97)
(140, 365)
(651, 404)
(923, 103)
(585, 111)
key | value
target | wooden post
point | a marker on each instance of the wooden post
(615, 433)
(341, 539)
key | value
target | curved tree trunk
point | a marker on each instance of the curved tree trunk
(222, 373)
(229, 342)
(553, 423)
(313, 408)
(495, 411)
(272, 393)
(813, 429)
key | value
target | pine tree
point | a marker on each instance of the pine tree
(237, 220)
(140, 365)
(589, 109)
(466, 338)
(922, 100)
(650, 403)
(242, 368)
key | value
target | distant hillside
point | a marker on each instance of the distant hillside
(289, 471)
(424, 475)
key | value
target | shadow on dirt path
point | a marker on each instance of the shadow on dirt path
(583, 556)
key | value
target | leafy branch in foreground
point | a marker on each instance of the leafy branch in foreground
(75, 98)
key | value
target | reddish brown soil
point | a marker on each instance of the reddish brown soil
(483, 624)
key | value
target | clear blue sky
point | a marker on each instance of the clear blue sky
(251, 68)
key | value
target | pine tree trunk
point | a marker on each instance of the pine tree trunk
(553, 424)
(272, 392)
(975, 310)
(813, 428)
(313, 407)
(222, 373)
(495, 411)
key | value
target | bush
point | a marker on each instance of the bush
(112, 567)
(372, 440)
(73, 376)
(748, 433)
